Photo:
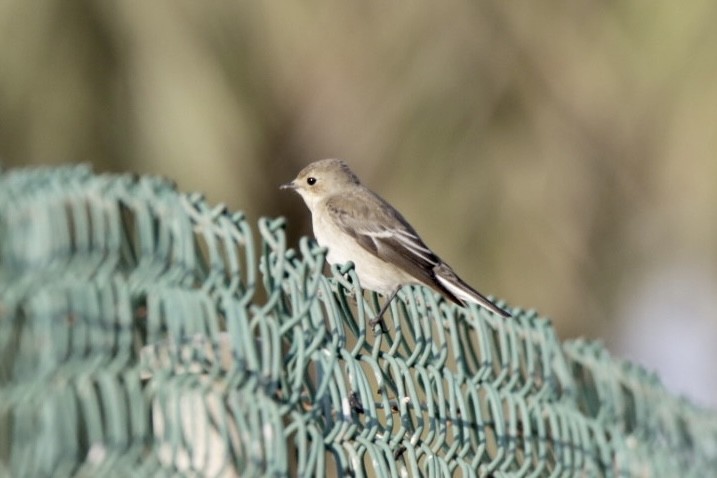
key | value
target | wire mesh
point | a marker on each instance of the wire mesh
(145, 333)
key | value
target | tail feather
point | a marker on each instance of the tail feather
(449, 281)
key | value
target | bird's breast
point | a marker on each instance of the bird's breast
(341, 246)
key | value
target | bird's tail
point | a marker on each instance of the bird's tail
(463, 292)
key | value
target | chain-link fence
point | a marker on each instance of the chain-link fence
(145, 333)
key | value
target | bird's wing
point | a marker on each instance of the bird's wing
(383, 232)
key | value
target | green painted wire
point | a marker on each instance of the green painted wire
(135, 337)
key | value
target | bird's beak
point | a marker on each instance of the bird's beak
(290, 185)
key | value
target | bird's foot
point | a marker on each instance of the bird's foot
(379, 317)
(378, 321)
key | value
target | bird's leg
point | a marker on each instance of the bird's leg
(379, 316)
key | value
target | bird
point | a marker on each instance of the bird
(355, 224)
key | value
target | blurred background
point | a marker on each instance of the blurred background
(559, 154)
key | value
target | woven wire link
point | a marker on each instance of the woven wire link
(144, 333)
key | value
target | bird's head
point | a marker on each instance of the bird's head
(322, 179)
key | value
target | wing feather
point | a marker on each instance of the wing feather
(382, 231)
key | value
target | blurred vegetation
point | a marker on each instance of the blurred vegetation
(556, 153)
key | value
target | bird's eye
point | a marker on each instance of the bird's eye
(311, 181)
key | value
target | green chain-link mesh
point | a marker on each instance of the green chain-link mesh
(138, 337)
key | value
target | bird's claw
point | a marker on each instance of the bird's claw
(377, 321)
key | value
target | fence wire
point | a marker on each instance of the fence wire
(145, 333)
